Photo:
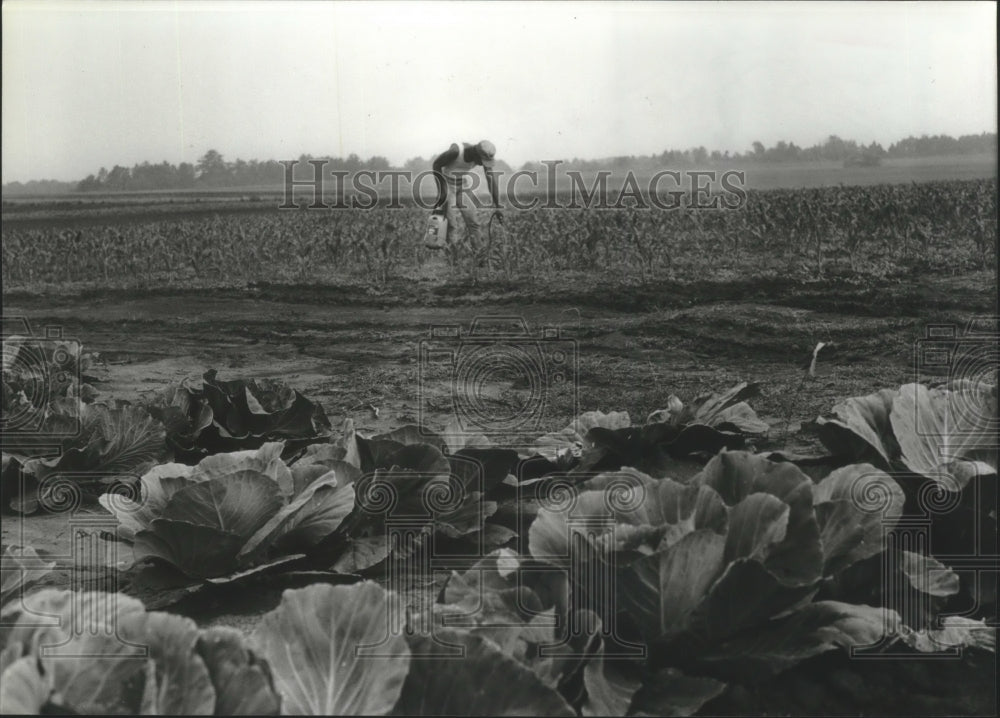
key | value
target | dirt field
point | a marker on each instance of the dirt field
(635, 347)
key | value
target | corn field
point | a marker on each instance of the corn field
(865, 231)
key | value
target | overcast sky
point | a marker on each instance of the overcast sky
(91, 84)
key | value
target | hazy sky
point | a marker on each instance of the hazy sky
(87, 84)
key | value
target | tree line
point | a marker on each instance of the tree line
(212, 170)
(832, 149)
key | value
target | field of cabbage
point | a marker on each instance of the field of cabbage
(869, 232)
(688, 562)
(234, 483)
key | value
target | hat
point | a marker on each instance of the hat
(487, 151)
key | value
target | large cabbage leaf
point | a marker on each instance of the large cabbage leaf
(22, 567)
(114, 446)
(104, 653)
(856, 506)
(242, 681)
(198, 552)
(609, 685)
(815, 628)
(264, 460)
(940, 442)
(332, 652)
(513, 603)
(915, 586)
(237, 503)
(947, 435)
(459, 673)
(669, 692)
(156, 487)
(728, 411)
(25, 688)
(149, 659)
(313, 514)
(860, 430)
(798, 558)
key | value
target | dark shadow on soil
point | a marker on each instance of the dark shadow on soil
(901, 296)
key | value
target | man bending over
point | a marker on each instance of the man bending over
(453, 172)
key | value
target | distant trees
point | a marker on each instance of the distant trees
(145, 176)
(119, 178)
(944, 145)
(417, 164)
(833, 148)
(213, 171)
(840, 150)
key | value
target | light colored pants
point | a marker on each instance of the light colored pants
(464, 209)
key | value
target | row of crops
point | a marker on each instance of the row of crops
(608, 568)
(869, 231)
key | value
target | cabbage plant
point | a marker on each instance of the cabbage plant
(672, 442)
(103, 653)
(411, 474)
(99, 447)
(944, 433)
(940, 442)
(231, 513)
(718, 577)
(333, 651)
(236, 414)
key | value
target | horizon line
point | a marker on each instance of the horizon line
(605, 158)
